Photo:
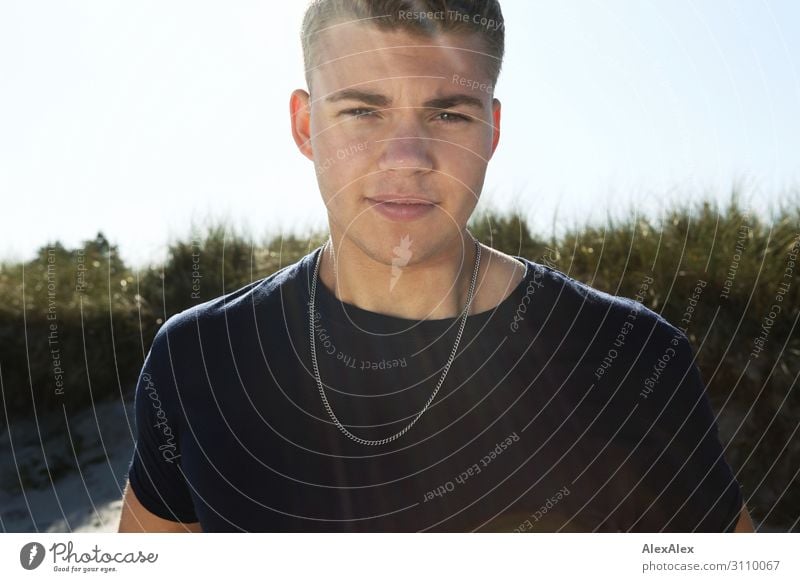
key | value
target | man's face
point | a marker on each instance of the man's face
(394, 118)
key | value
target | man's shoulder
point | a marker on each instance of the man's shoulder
(264, 293)
(571, 296)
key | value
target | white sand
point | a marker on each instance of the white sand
(89, 499)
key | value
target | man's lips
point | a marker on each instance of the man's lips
(401, 208)
(400, 199)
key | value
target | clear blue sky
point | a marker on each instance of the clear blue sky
(136, 117)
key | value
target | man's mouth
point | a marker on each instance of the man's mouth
(402, 200)
(401, 208)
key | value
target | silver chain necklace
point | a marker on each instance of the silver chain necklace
(441, 379)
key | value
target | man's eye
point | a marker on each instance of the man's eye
(450, 117)
(359, 112)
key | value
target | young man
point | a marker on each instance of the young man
(403, 377)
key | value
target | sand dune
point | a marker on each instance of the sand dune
(87, 465)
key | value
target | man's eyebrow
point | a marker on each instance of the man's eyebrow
(448, 101)
(379, 100)
(368, 97)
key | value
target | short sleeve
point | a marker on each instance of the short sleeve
(155, 473)
(688, 485)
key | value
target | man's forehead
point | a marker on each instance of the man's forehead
(366, 51)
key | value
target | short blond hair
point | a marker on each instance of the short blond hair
(425, 18)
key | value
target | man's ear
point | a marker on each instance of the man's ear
(301, 122)
(496, 106)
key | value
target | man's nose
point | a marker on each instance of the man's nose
(408, 146)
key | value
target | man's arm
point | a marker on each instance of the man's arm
(136, 518)
(745, 524)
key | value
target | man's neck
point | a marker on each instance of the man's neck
(434, 288)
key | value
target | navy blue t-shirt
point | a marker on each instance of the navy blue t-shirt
(565, 409)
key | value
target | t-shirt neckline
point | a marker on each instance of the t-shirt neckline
(341, 313)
